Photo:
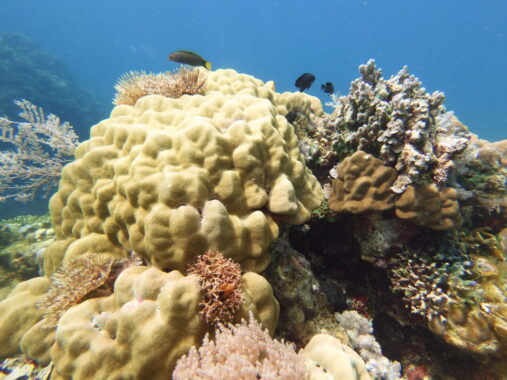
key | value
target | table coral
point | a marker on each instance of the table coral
(171, 178)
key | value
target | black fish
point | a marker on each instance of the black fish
(327, 87)
(305, 81)
(292, 116)
(189, 58)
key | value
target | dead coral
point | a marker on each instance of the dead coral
(220, 280)
(136, 84)
(72, 282)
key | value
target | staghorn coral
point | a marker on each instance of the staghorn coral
(244, 351)
(42, 145)
(397, 121)
(220, 280)
(363, 184)
(71, 283)
(136, 84)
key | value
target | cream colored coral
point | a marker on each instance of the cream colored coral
(363, 184)
(329, 359)
(18, 313)
(172, 178)
(429, 206)
(144, 327)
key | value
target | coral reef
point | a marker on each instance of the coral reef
(220, 280)
(416, 244)
(396, 121)
(134, 85)
(172, 178)
(359, 330)
(363, 184)
(242, 351)
(142, 329)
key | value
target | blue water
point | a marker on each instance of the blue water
(457, 46)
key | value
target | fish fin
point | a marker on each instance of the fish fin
(208, 65)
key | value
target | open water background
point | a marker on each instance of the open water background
(456, 46)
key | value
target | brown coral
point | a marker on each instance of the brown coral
(72, 282)
(220, 280)
(429, 206)
(136, 84)
(363, 184)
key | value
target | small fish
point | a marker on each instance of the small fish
(189, 58)
(327, 87)
(305, 81)
(292, 116)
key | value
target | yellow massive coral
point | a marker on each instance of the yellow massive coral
(172, 178)
(145, 326)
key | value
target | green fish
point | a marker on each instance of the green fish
(189, 58)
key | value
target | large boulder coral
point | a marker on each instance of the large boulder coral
(172, 178)
(143, 328)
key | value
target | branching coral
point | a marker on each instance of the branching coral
(72, 282)
(244, 351)
(136, 84)
(220, 280)
(42, 145)
(360, 332)
(397, 121)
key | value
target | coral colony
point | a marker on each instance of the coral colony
(213, 228)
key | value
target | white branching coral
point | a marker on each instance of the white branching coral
(359, 330)
(41, 145)
(397, 121)
(244, 351)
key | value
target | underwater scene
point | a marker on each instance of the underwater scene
(229, 190)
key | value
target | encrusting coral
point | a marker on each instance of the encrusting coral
(136, 84)
(220, 280)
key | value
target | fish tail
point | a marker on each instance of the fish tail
(208, 65)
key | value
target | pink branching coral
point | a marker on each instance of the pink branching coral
(136, 84)
(72, 282)
(220, 280)
(42, 145)
(244, 351)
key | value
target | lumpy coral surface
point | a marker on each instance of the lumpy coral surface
(172, 178)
